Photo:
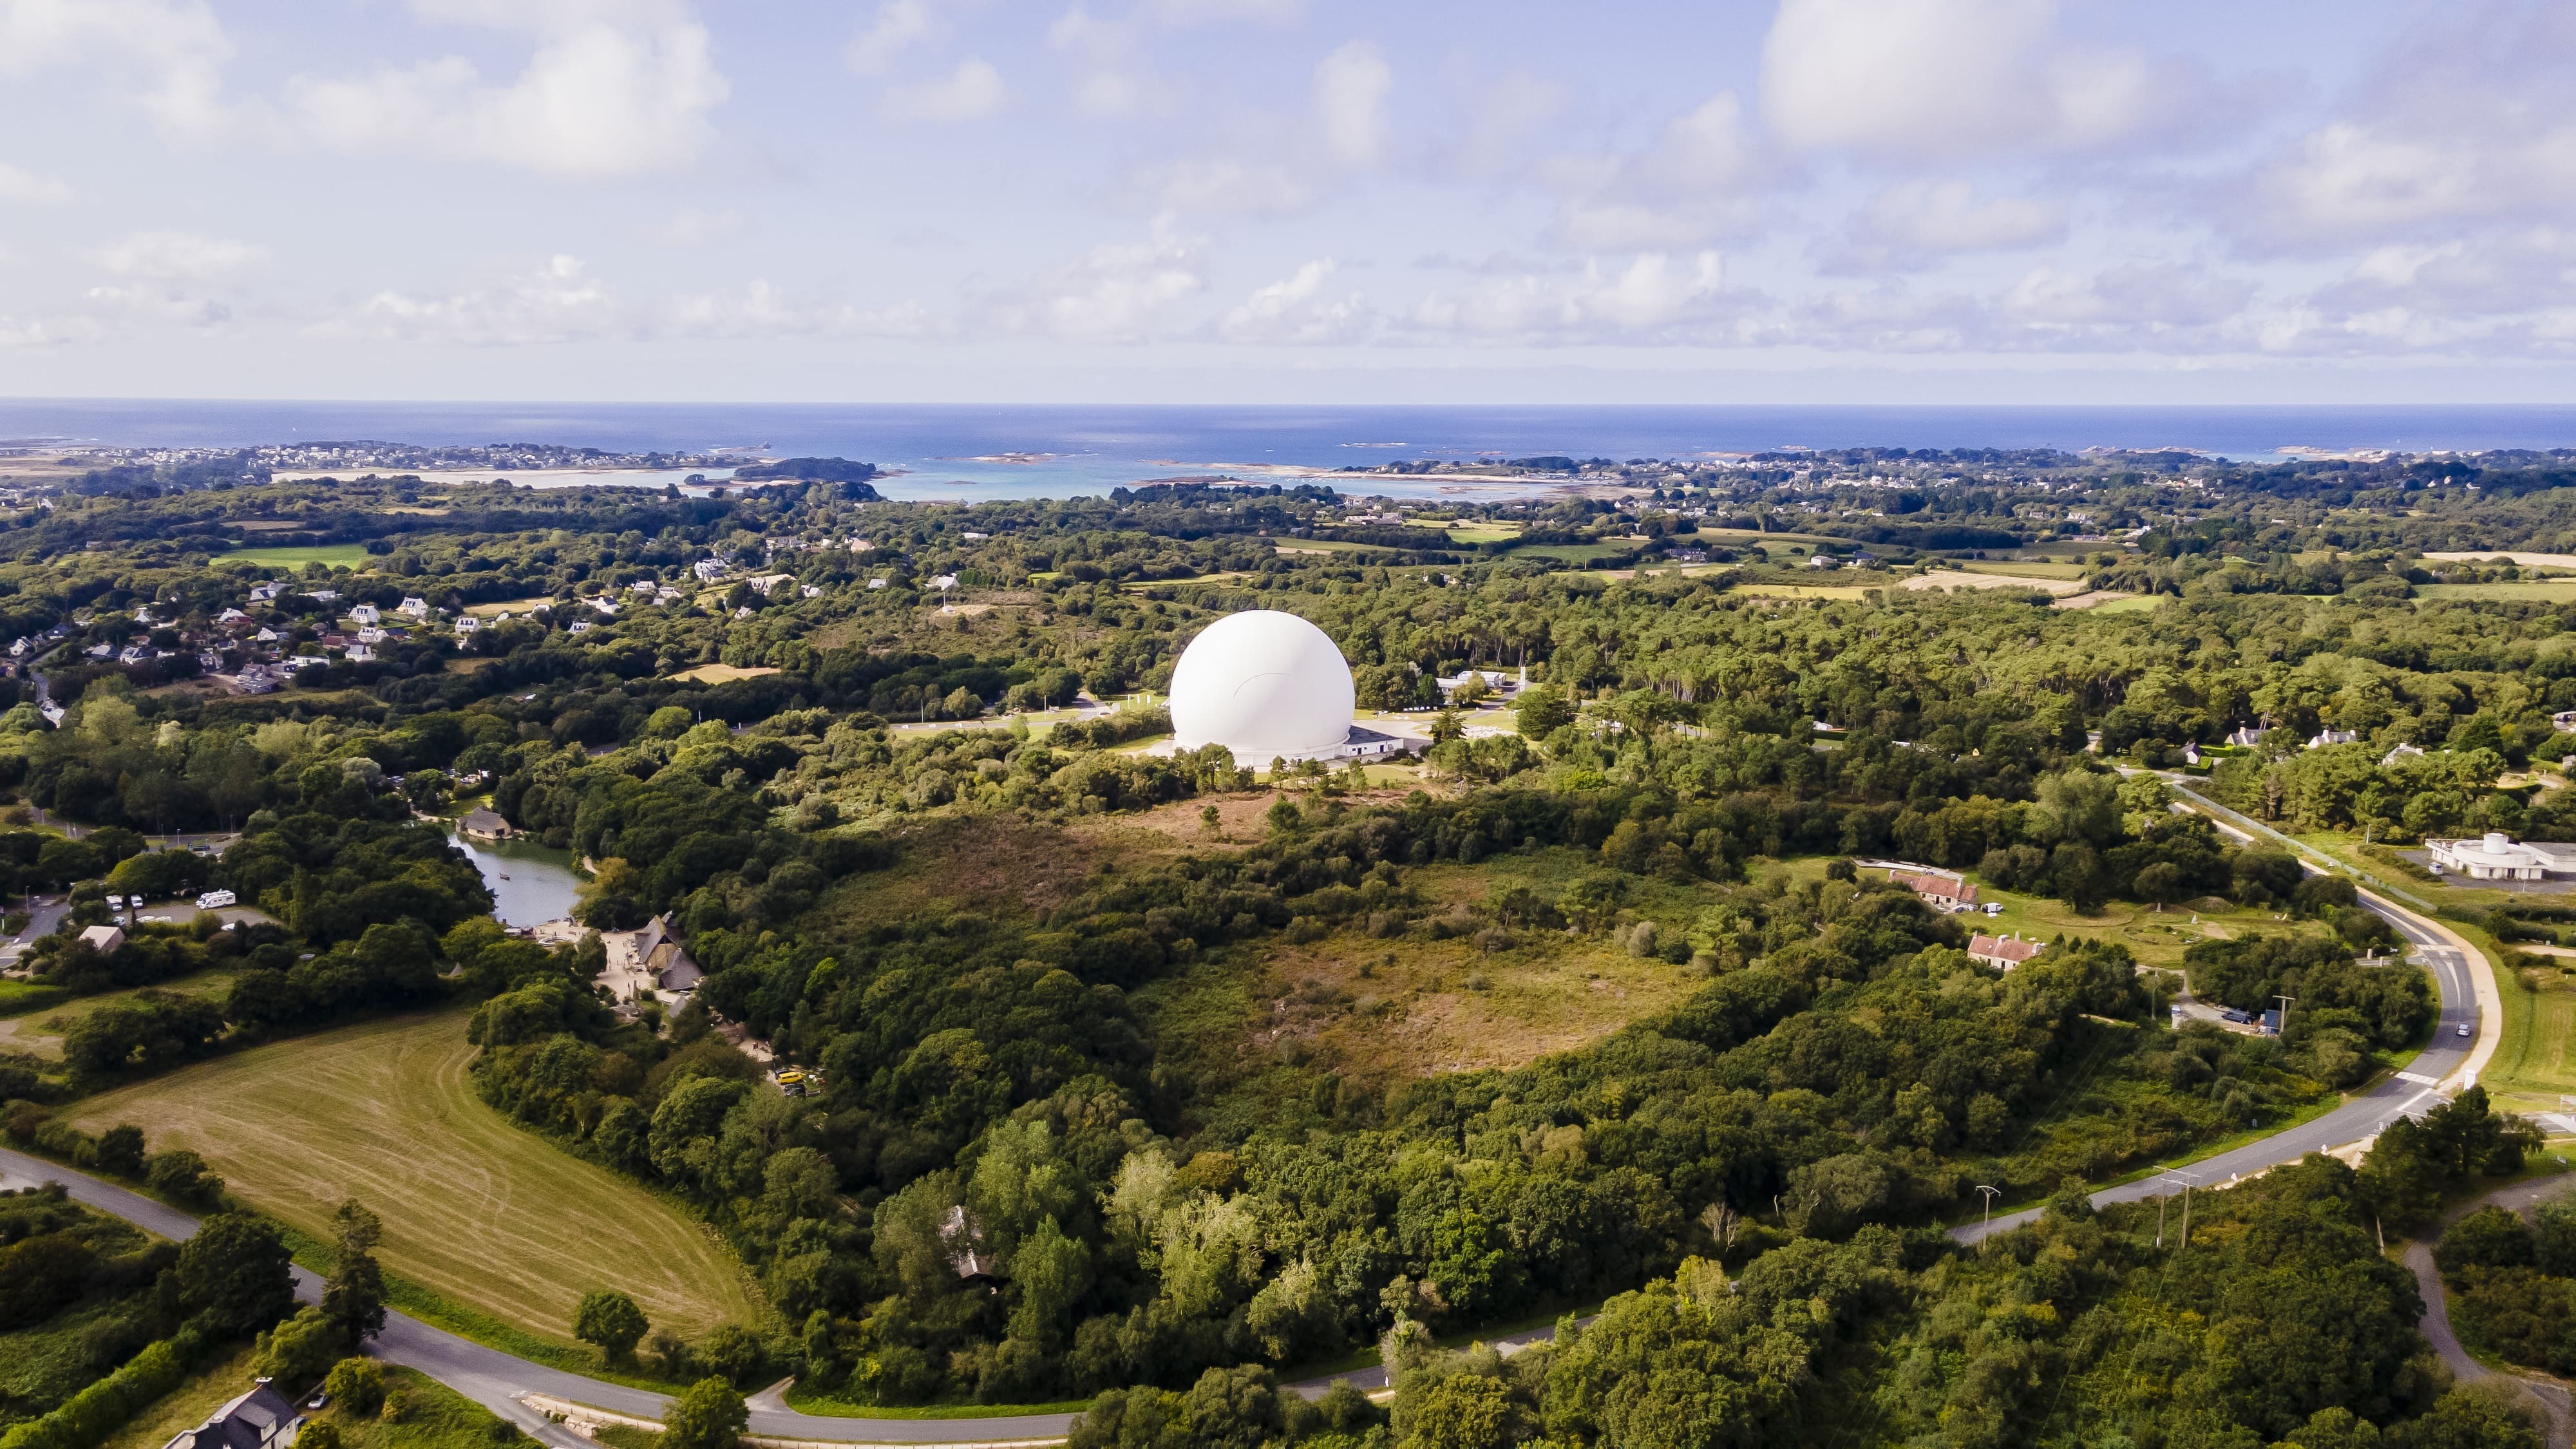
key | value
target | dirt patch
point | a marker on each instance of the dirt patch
(722, 673)
(1946, 579)
(970, 863)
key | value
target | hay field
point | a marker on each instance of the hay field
(476, 1210)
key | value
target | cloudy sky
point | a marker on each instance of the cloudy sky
(1247, 200)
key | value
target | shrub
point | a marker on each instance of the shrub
(358, 1384)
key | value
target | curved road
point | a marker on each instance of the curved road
(2436, 1327)
(2450, 1065)
(500, 1382)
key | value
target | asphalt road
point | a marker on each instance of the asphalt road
(2436, 1326)
(2406, 1094)
(496, 1380)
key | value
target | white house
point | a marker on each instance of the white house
(414, 605)
(2323, 738)
(366, 614)
(2245, 737)
(2402, 752)
(2496, 856)
(708, 570)
(230, 616)
(262, 593)
(468, 625)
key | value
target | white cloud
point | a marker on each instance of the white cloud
(558, 302)
(1704, 176)
(2464, 123)
(1210, 12)
(1933, 79)
(971, 92)
(1651, 298)
(2135, 295)
(1296, 310)
(1115, 293)
(1916, 221)
(28, 188)
(608, 91)
(761, 310)
(1226, 185)
(177, 255)
(1351, 87)
(695, 227)
(899, 25)
(178, 45)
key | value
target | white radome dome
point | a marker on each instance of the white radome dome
(1265, 685)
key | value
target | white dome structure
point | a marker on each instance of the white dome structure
(1265, 685)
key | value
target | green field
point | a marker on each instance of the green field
(2134, 604)
(476, 1210)
(1570, 552)
(1805, 591)
(2559, 590)
(2020, 569)
(41, 1031)
(334, 555)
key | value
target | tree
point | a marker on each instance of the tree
(1544, 710)
(354, 1298)
(709, 1414)
(611, 1320)
(182, 1176)
(120, 1151)
(236, 1275)
(300, 1350)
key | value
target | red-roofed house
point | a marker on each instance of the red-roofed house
(1940, 892)
(2002, 952)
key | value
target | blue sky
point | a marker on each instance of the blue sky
(1288, 200)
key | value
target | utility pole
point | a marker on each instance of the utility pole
(2171, 1176)
(1987, 1228)
(2286, 1002)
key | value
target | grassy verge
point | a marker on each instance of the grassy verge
(17, 998)
(826, 1405)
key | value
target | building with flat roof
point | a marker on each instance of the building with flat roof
(2497, 856)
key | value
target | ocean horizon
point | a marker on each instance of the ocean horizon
(968, 452)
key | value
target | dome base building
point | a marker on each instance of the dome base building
(1270, 686)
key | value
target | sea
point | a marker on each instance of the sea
(967, 453)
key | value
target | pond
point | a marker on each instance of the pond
(530, 883)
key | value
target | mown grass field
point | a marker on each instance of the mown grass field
(330, 555)
(2134, 604)
(475, 1209)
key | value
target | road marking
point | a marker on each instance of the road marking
(2419, 1079)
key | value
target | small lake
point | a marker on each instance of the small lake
(530, 883)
